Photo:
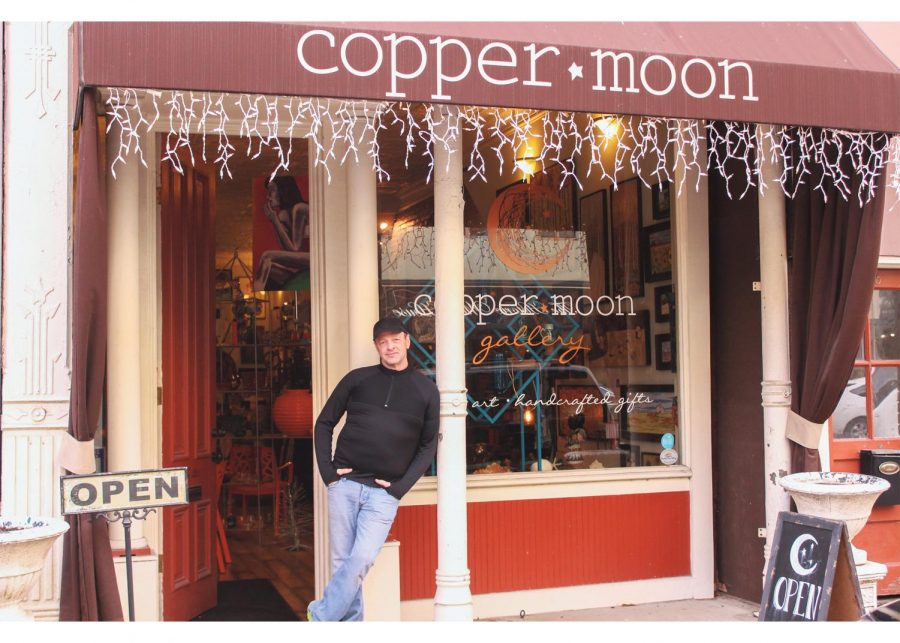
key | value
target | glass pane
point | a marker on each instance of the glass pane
(570, 314)
(885, 316)
(571, 361)
(860, 355)
(849, 418)
(884, 401)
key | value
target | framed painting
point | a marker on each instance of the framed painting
(649, 459)
(626, 267)
(280, 233)
(665, 353)
(661, 203)
(593, 215)
(664, 299)
(593, 414)
(650, 411)
(621, 340)
(657, 252)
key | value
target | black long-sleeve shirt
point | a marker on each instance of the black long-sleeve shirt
(391, 430)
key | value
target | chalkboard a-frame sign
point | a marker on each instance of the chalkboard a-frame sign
(810, 575)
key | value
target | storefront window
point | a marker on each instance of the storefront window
(570, 317)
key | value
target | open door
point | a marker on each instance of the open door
(868, 417)
(188, 393)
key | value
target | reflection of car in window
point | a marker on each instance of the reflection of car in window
(849, 418)
(525, 412)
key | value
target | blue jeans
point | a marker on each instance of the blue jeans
(359, 518)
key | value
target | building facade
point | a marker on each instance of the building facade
(543, 229)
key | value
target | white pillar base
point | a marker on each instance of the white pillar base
(14, 613)
(145, 570)
(869, 574)
(453, 598)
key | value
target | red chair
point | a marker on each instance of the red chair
(223, 553)
(254, 471)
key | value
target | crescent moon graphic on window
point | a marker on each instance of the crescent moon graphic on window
(801, 566)
(518, 246)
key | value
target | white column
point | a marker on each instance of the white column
(690, 234)
(776, 385)
(36, 379)
(453, 599)
(330, 319)
(123, 363)
(362, 253)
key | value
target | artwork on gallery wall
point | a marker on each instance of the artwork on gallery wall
(281, 233)
(666, 312)
(621, 340)
(654, 411)
(625, 239)
(593, 214)
(665, 353)
(664, 299)
(657, 252)
(593, 418)
(661, 202)
(649, 459)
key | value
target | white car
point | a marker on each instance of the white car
(849, 418)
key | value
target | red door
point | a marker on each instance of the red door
(188, 402)
(867, 418)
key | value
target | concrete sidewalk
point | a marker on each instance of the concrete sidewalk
(720, 608)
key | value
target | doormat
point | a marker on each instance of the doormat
(249, 600)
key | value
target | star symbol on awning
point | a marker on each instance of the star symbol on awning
(577, 71)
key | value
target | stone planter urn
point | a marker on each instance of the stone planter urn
(24, 543)
(837, 496)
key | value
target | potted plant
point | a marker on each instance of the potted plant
(24, 543)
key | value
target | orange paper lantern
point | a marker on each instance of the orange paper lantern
(293, 413)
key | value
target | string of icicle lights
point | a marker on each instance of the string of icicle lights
(615, 148)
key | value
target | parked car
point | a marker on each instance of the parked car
(849, 418)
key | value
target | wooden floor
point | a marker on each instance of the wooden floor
(259, 554)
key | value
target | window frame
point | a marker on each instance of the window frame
(849, 448)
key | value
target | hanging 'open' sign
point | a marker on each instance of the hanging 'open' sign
(124, 490)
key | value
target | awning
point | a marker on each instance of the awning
(818, 74)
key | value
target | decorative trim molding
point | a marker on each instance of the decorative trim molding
(41, 55)
(39, 365)
(41, 414)
(48, 612)
(453, 403)
(776, 393)
(559, 484)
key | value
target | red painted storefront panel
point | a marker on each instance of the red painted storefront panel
(534, 544)
(880, 538)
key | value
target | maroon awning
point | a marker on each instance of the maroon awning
(822, 74)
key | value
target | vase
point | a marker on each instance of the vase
(24, 543)
(293, 413)
(836, 495)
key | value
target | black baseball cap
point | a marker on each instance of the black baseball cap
(387, 325)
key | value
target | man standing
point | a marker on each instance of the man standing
(387, 443)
